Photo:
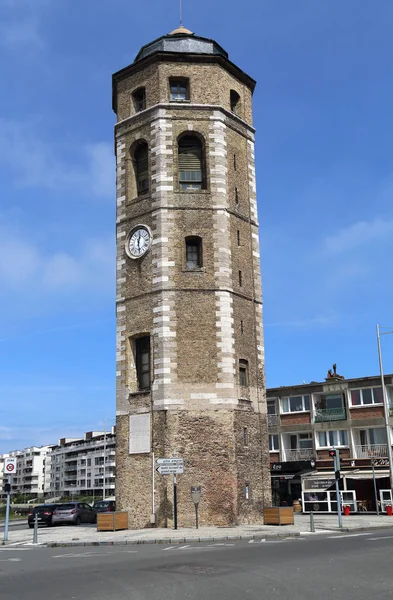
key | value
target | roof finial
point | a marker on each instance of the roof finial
(181, 13)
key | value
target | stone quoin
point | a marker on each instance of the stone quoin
(190, 355)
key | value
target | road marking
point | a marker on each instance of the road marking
(170, 548)
(344, 536)
(82, 555)
(183, 547)
(382, 537)
(10, 559)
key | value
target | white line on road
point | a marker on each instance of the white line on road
(10, 559)
(81, 555)
(344, 536)
(382, 537)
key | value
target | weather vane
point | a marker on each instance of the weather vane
(181, 13)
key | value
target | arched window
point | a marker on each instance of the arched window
(191, 163)
(235, 102)
(141, 166)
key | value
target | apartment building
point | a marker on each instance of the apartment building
(33, 470)
(306, 421)
(3, 477)
(79, 465)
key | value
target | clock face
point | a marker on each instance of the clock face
(138, 242)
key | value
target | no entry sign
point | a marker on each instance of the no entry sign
(9, 466)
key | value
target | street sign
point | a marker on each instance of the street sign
(9, 466)
(170, 469)
(170, 461)
(196, 491)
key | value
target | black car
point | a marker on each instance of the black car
(105, 506)
(44, 514)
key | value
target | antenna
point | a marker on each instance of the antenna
(181, 13)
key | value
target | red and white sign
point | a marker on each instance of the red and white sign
(9, 466)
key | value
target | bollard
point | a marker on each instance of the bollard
(312, 526)
(35, 534)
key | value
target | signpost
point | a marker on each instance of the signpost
(171, 466)
(196, 496)
(9, 469)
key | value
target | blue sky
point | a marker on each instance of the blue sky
(323, 112)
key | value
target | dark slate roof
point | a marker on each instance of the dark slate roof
(188, 43)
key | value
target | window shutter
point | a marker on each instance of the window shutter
(190, 155)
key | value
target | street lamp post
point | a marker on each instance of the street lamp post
(103, 482)
(385, 404)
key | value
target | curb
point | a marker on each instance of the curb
(227, 538)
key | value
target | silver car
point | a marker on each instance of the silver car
(74, 513)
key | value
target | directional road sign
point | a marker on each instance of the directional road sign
(170, 466)
(10, 466)
(170, 470)
(170, 461)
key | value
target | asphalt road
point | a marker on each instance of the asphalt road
(353, 567)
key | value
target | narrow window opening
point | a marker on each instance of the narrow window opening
(243, 373)
(240, 279)
(193, 253)
(245, 436)
(141, 165)
(179, 89)
(139, 99)
(242, 327)
(234, 162)
(238, 237)
(142, 362)
(236, 198)
(247, 491)
(235, 101)
(190, 154)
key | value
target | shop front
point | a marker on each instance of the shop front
(286, 481)
(361, 488)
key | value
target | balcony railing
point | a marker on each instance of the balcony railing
(372, 451)
(329, 414)
(299, 454)
(273, 420)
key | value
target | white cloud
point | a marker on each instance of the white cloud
(25, 266)
(359, 235)
(40, 163)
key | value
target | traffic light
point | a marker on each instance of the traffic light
(7, 488)
(333, 453)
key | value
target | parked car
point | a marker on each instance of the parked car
(44, 514)
(105, 506)
(74, 513)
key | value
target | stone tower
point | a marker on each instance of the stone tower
(190, 357)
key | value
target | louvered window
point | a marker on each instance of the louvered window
(141, 168)
(190, 163)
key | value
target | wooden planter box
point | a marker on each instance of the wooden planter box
(278, 515)
(112, 521)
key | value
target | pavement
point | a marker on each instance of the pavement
(87, 535)
(354, 566)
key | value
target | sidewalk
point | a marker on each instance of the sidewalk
(88, 535)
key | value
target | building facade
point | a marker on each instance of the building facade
(3, 476)
(79, 465)
(33, 467)
(306, 421)
(190, 357)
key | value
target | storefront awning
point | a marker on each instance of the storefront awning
(365, 475)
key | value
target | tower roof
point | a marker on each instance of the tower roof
(181, 40)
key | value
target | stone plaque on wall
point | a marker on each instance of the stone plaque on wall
(139, 433)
